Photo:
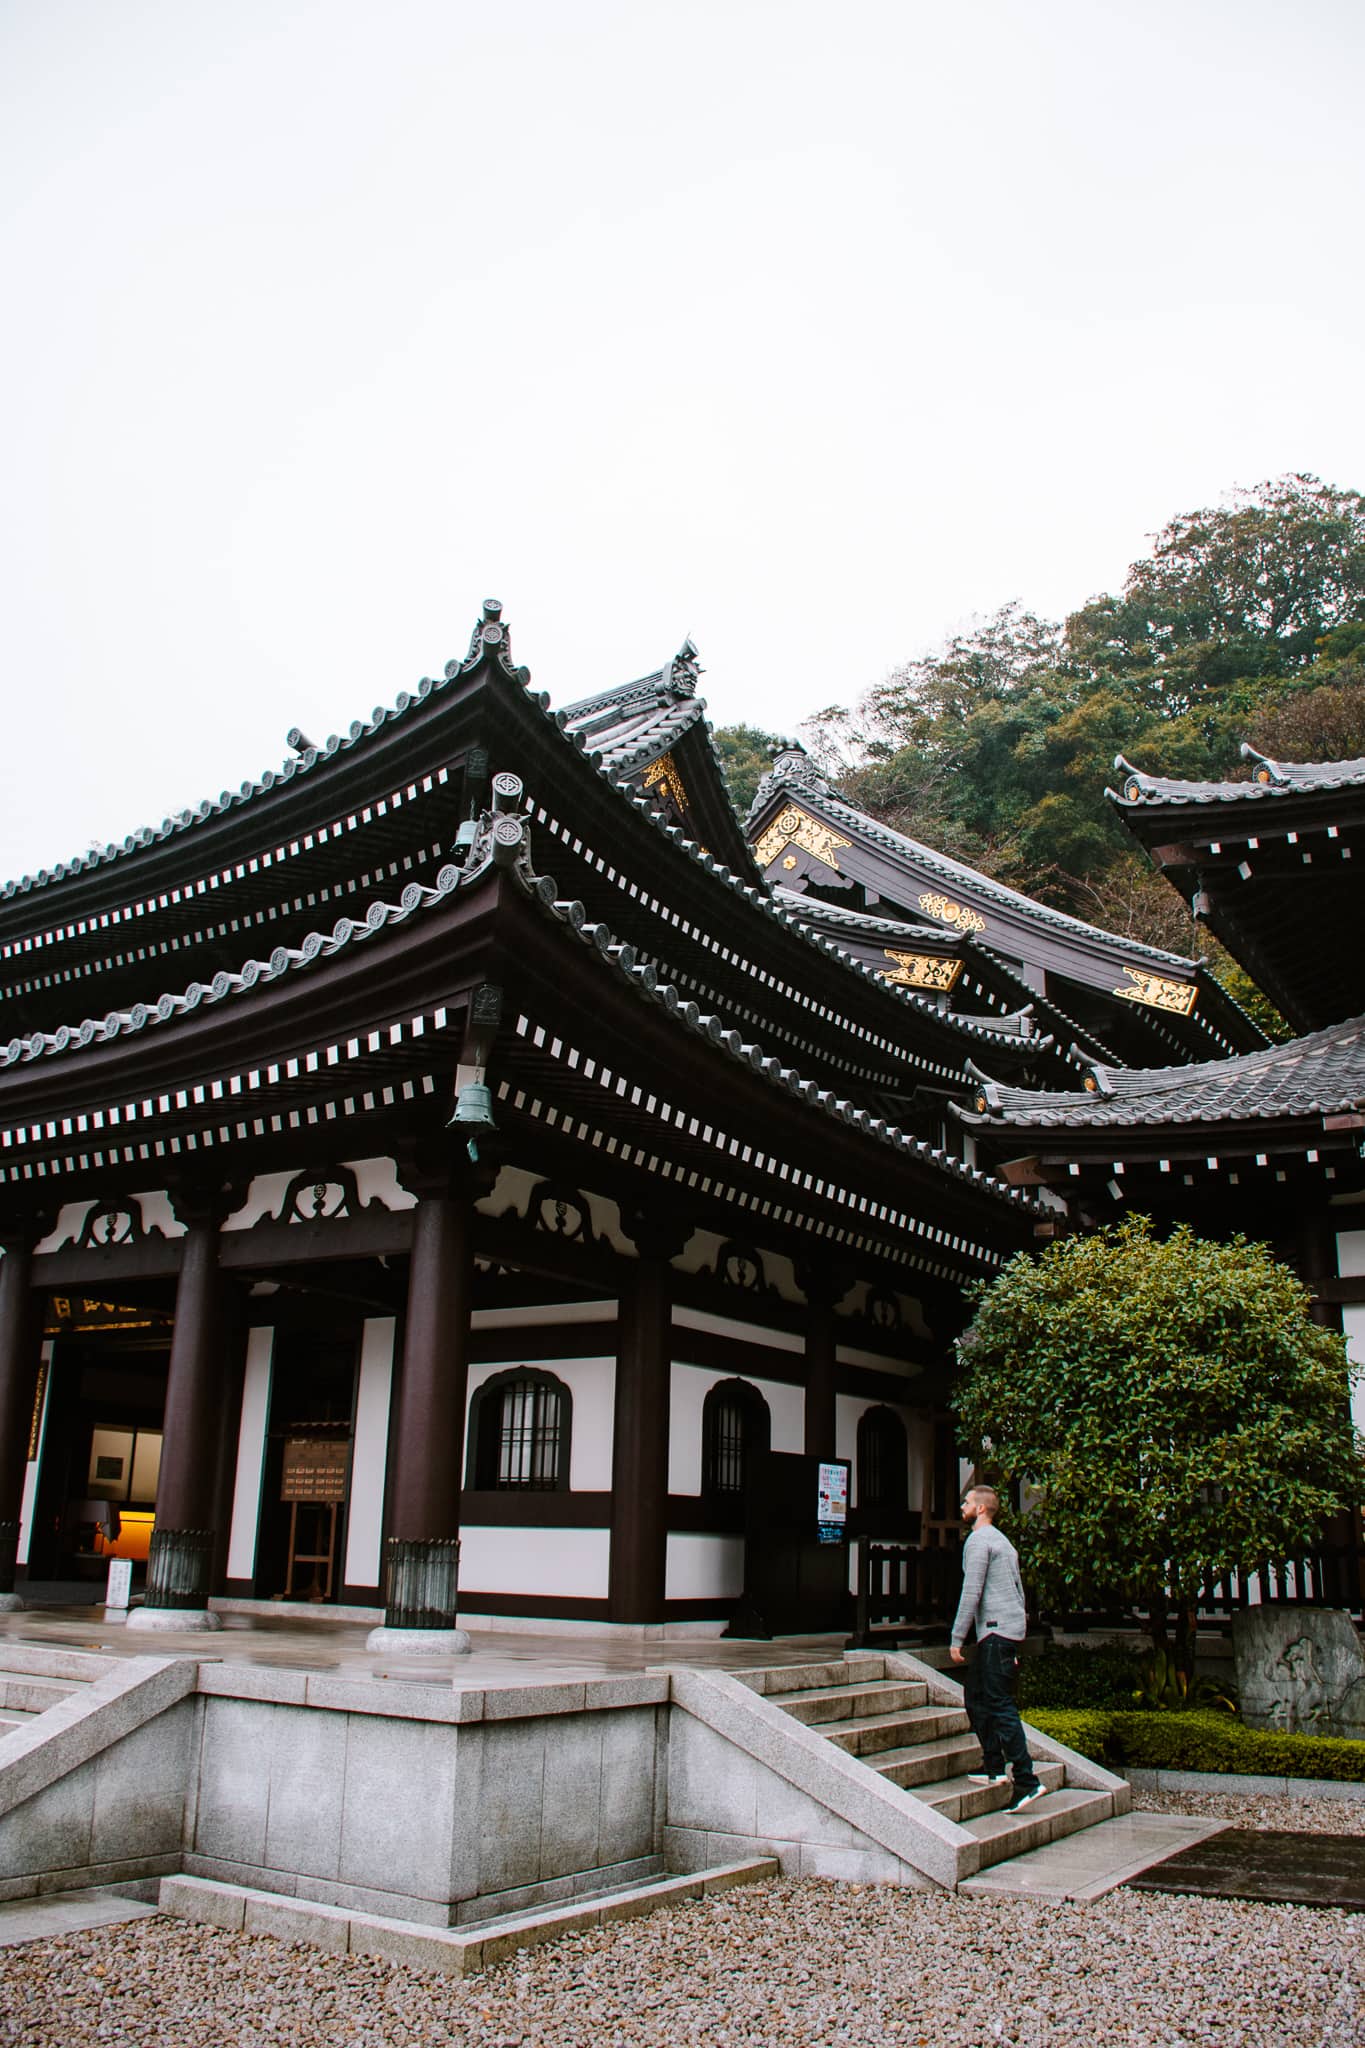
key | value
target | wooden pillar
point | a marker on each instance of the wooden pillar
(1317, 1263)
(824, 1284)
(423, 1549)
(186, 1535)
(21, 1340)
(639, 1455)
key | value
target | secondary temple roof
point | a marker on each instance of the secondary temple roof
(1273, 866)
(1321, 1075)
(1126, 1000)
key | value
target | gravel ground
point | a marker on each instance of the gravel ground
(1263, 1810)
(785, 1964)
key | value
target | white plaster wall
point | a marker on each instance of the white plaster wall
(702, 1567)
(730, 1326)
(849, 1410)
(369, 1452)
(246, 1492)
(1353, 1323)
(689, 1387)
(563, 1562)
(542, 1315)
(1350, 1253)
(592, 1384)
(31, 1469)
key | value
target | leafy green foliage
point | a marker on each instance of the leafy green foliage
(1200, 1740)
(1172, 1406)
(746, 754)
(1165, 1685)
(1077, 1675)
(1246, 621)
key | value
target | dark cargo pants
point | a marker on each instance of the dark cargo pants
(988, 1696)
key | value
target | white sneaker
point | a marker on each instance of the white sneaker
(1029, 1798)
(988, 1777)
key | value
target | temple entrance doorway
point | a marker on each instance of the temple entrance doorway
(306, 1487)
(104, 1391)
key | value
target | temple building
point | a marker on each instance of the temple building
(467, 1174)
(432, 1176)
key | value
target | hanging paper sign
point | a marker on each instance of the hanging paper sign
(314, 1471)
(833, 1506)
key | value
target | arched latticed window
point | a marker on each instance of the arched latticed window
(519, 1433)
(883, 1461)
(735, 1426)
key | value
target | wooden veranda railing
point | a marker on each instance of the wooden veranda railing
(908, 1592)
(904, 1592)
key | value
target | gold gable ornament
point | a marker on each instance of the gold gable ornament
(956, 914)
(921, 970)
(795, 827)
(663, 778)
(1158, 992)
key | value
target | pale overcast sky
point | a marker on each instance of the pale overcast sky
(807, 330)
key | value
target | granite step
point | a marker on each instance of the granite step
(31, 1694)
(1003, 1835)
(825, 1703)
(869, 1735)
(773, 1681)
(927, 1763)
(958, 1799)
(460, 1950)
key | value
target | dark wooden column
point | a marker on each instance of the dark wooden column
(180, 1563)
(1317, 1263)
(423, 1551)
(21, 1339)
(824, 1283)
(639, 1453)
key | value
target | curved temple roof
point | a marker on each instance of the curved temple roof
(1321, 1075)
(794, 771)
(1269, 779)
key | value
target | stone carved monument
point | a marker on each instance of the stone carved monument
(1300, 1670)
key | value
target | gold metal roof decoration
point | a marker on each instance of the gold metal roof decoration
(921, 970)
(663, 778)
(1158, 993)
(795, 827)
(956, 914)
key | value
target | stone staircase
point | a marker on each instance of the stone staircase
(926, 1748)
(34, 1678)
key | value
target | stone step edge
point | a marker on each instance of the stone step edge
(240, 1909)
(36, 1660)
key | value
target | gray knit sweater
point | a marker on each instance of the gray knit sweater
(992, 1590)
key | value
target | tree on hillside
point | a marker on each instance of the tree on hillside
(1174, 1407)
(1245, 621)
(746, 754)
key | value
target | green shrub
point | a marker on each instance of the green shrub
(1081, 1676)
(1200, 1740)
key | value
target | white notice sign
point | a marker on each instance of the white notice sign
(833, 1493)
(120, 1587)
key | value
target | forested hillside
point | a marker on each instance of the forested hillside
(1245, 622)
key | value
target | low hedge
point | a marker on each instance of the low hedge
(1199, 1740)
(1081, 1675)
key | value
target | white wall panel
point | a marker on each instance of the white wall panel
(31, 1469)
(369, 1453)
(704, 1568)
(1353, 1323)
(1350, 1253)
(689, 1386)
(592, 1383)
(246, 1492)
(848, 1412)
(568, 1563)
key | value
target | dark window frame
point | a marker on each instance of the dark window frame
(736, 1424)
(515, 1452)
(883, 1462)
